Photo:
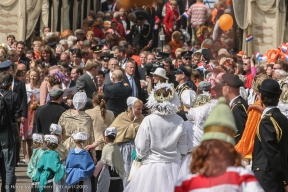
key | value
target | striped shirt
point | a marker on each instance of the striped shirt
(198, 13)
(235, 179)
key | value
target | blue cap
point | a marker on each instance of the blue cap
(5, 65)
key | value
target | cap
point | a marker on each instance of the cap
(270, 88)
(232, 80)
(55, 129)
(182, 70)
(160, 72)
(131, 100)
(187, 97)
(55, 92)
(37, 138)
(5, 65)
(186, 54)
(162, 55)
(79, 136)
(97, 49)
(105, 57)
(114, 21)
(52, 44)
(223, 129)
(240, 53)
(204, 86)
(79, 32)
(140, 17)
(79, 100)
(51, 139)
(110, 131)
(66, 33)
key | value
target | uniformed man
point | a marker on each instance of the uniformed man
(230, 90)
(187, 58)
(104, 63)
(181, 76)
(140, 33)
(97, 52)
(270, 154)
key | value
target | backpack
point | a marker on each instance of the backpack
(4, 111)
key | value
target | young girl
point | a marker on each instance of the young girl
(111, 164)
(62, 152)
(79, 165)
(36, 155)
(49, 167)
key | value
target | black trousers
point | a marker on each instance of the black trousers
(268, 181)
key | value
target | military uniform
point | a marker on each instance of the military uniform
(238, 105)
(239, 109)
(181, 88)
(270, 154)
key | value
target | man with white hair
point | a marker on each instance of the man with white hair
(113, 64)
(280, 76)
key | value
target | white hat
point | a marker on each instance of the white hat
(55, 129)
(131, 101)
(160, 72)
(110, 131)
(187, 97)
(79, 136)
(37, 138)
(79, 100)
(51, 139)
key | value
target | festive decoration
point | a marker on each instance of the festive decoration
(225, 22)
(249, 38)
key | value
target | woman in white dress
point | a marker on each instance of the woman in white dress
(33, 98)
(160, 142)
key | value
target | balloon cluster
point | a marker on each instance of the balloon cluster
(272, 55)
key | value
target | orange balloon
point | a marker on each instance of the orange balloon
(225, 22)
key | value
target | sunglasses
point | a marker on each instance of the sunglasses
(187, 58)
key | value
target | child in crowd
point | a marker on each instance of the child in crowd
(49, 168)
(57, 131)
(36, 155)
(79, 165)
(111, 164)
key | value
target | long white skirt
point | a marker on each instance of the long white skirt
(185, 166)
(154, 177)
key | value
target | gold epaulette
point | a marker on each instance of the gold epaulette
(275, 125)
(237, 104)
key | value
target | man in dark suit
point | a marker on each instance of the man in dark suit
(88, 82)
(20, 47)
(133, 81)
(19, 88)
(184, 5)
(113, 64)
(230, 90)
(270, 154)
(117, 93)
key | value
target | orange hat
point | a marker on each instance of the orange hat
(66, 33)
(240, 53)
(107, 24)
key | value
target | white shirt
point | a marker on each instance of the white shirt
(91, 76)
(66, 87)
(231, 102)
(134, 84)
(164, 145)
(124, 63)
(29, 92)
(267, 109)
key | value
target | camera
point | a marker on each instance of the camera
(151, 67)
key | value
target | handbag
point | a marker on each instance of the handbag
(136, 164)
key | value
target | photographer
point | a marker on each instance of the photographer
(167, 63)
(10, 110)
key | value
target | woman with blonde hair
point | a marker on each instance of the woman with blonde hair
(127, 125)
(36, 45)
(33, 96)
(102, 119)
(90, 35)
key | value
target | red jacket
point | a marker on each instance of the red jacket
(169, 19)
(98, 33)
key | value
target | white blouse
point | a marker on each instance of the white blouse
(29, 92)
(161, 139)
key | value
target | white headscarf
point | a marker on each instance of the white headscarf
(79, 100)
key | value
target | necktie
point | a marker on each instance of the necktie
(139, 29)
(132, 86)
(94, 81)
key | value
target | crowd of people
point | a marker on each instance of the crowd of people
(86, 107)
